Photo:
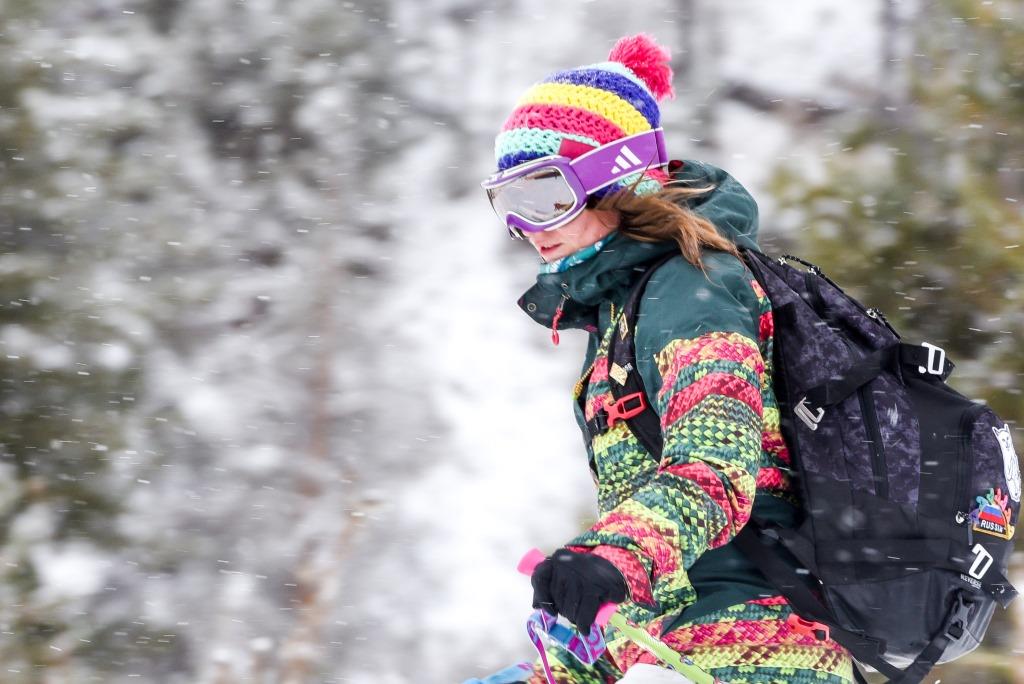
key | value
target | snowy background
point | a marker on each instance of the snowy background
(270, 412)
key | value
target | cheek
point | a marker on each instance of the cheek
(593, 234)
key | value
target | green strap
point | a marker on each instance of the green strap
(662, 651)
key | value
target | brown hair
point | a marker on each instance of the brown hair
(661, 217)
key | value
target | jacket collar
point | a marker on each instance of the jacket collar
(604, 277)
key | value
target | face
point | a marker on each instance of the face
(584, 230)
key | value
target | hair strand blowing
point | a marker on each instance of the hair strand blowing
(662, 217)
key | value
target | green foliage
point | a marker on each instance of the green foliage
(921, 212)
(133, 646)
(59, 421)
(61, 400)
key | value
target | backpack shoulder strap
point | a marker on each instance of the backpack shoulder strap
(627, 386)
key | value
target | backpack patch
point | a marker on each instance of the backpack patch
(1011, 467)
(992, 515)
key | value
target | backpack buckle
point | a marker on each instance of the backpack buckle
(807, 627)
(625, 408)
(936, 360)
(958, 618)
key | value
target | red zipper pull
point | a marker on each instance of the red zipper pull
(554, 321)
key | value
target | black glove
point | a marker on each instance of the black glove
(576, 585)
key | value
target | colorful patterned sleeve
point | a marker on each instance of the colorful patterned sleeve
(710, 405)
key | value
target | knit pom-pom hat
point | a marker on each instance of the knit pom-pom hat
(572, 112)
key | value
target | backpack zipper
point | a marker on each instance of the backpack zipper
(879, 471)
(872, 313)
(964, 467)
(874, 432)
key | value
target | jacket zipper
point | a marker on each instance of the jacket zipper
(878, 469)
(579, 393)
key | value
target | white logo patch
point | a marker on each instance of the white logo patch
(625, 160)
(1011, 468)
(982, 562)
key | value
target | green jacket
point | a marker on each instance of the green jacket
(703, 346)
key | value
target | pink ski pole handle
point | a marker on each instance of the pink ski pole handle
(530, 562)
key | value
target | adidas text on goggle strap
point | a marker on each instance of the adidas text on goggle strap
(546, 193)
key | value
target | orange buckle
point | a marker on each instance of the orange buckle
(808, 627)
(621, 410)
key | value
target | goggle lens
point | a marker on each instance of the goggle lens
(540, 196)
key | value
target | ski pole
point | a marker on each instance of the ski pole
(608, 615)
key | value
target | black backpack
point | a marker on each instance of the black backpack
(909, 489)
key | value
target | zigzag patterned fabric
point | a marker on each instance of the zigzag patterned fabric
(771, 477)
(711, 410)
(720, 422)
(749, 643)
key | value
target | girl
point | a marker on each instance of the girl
(583, 176)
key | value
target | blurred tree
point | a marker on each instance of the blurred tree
(920, 214)
(68, 384)
(260, 171)
(920, 211)
(215, 176)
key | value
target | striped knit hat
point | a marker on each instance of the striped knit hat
(572, 112)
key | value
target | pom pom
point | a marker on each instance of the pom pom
(648, 60)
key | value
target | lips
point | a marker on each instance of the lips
(544, 251)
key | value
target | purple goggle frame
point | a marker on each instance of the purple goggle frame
(546, 193)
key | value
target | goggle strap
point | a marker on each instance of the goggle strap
(612, 162)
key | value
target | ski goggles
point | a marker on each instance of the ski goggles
(546, 193)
